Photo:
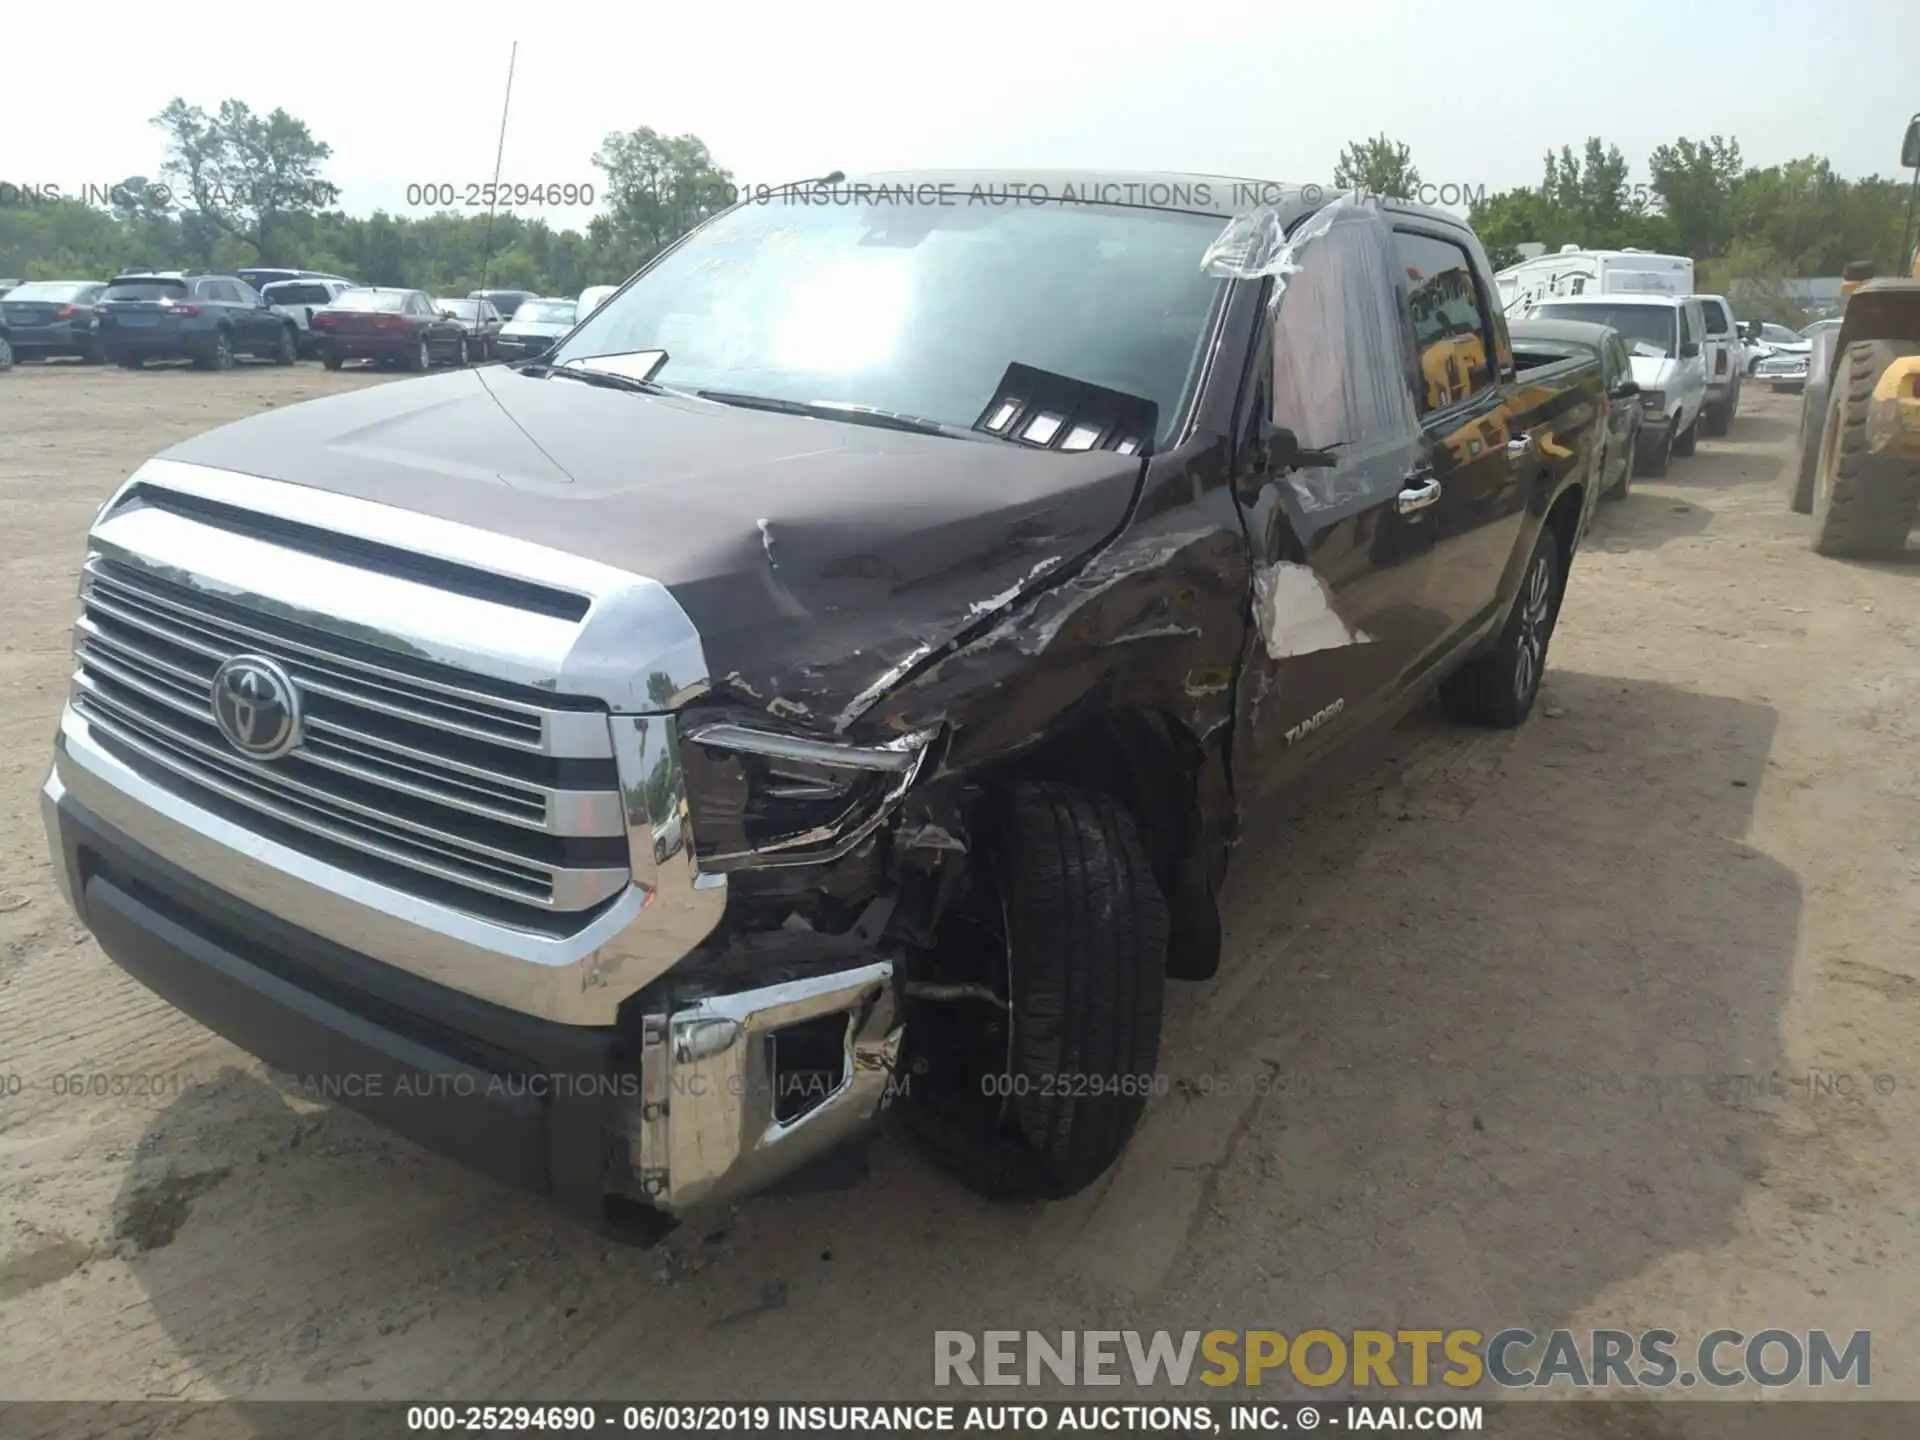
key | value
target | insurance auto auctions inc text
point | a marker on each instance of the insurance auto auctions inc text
(1513, 1358)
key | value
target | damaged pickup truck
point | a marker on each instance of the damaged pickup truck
(829, 681)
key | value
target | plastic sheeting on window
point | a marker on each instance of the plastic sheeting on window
(1339, 344)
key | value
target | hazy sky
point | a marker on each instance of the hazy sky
(1480, 91)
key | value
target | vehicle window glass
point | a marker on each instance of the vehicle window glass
(545, 312)
(48, 292)
(146, 289)
(386, 301)
(465, 309)
(1715, 315)
(1647, 329)
(1340, 365)
(243, 292)
(1449, 321)
(298, 292)
(920, 309)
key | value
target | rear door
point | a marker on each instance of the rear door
(1721, 350)
(1468, 395)
(1340, 551)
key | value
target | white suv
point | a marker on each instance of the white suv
(1664, 335)
(298, 299)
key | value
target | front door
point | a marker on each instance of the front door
(1341, 551)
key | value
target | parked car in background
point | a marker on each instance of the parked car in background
(7, 285)
(481, 322)
(1662, 335)
(908, 730)
(208, 319)
(1764, 338)
(505, 301)
(535, 326)
(53, 317)
(389, 327)
(261, 276)
(300, 300)
(1539, 342)
(592, 298)
(1812, 331)
(1721, 354)
(1784, 371)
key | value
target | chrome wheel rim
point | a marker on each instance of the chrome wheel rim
(426, 356)
(1536, 603)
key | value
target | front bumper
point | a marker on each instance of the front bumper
(684, 1103)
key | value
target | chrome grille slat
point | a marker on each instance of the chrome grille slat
(201, 635)
(549, 888)
(390, 762)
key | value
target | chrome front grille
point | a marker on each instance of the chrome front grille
(436, 781)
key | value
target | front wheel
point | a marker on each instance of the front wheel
(1651, 460)
(421, 360)
(219, 355)
(288, 350)
(330, 360)
(1077, 952)
(1684, 442)
(1498, 689)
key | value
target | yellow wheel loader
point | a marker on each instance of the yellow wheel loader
(1859, 469)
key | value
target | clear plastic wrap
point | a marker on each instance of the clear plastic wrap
(1341, 366)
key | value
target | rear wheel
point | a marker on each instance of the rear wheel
(1498, 689)
(288, 350)
(1651, 459)
(421, 359)
(1863, 505)
(6, 353)
(218, 355)
(1041, 1093)
(330, 360)
(1684, 442)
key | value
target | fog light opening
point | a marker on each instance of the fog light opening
(808, 1063)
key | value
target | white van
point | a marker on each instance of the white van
(592, 298)
(1591, 272)
(1665, 335)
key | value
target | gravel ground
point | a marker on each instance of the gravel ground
(1469, 987)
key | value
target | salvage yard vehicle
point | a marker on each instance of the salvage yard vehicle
(534, 327)
(299, 300)
(1663, 343)
(1859, 471)
(1720, 354)
(53, 317)
(208, 319)
(480, 322)
(389, 327)
(1573, 271)
(1542, 342)
(807, 687)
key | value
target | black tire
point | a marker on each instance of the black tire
(1713, 422)
(6, 353)
(1863, 505)
(1498, 689)
(330, 360)
(421, 360)
(1086, 959)
(217, 356)
(1686, 440)
(1800, 489)
(288, 350)
(1651, 460)
(1618, 490)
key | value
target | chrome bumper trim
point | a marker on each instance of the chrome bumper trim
(576, 979)
(707, 1130)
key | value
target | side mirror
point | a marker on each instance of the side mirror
(1690, 349)
(1910, 146)
(1625, 390)
(1277, 451)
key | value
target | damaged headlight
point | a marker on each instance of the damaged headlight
(761, 797)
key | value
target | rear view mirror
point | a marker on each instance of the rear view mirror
(1910, 146)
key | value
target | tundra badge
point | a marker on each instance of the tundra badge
(1314, 721)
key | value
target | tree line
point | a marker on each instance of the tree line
(244, 188)
(1748, 228)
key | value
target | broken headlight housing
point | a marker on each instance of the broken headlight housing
(764, 798)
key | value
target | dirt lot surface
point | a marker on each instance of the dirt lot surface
(1480, 1001)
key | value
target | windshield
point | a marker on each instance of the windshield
(462, 309)
(544, 312)
(1647, 329)
(60, 292)
(919, 309)
(295, 292)
(388, 301)
(150, 289)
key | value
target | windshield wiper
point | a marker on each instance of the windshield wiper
(836, 410)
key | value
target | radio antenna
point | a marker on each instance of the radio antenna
(499, 153)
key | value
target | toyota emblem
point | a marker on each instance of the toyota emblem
(256, 707)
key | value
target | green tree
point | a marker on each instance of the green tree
(246, 173)
(1695, 181)
(1378, 166)
(658, 188)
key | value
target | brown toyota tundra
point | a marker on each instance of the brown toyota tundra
(827, 682)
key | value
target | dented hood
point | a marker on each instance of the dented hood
(819, 560)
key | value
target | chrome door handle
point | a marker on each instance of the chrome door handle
(1417, 496)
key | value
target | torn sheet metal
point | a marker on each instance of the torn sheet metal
(1294, 609)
